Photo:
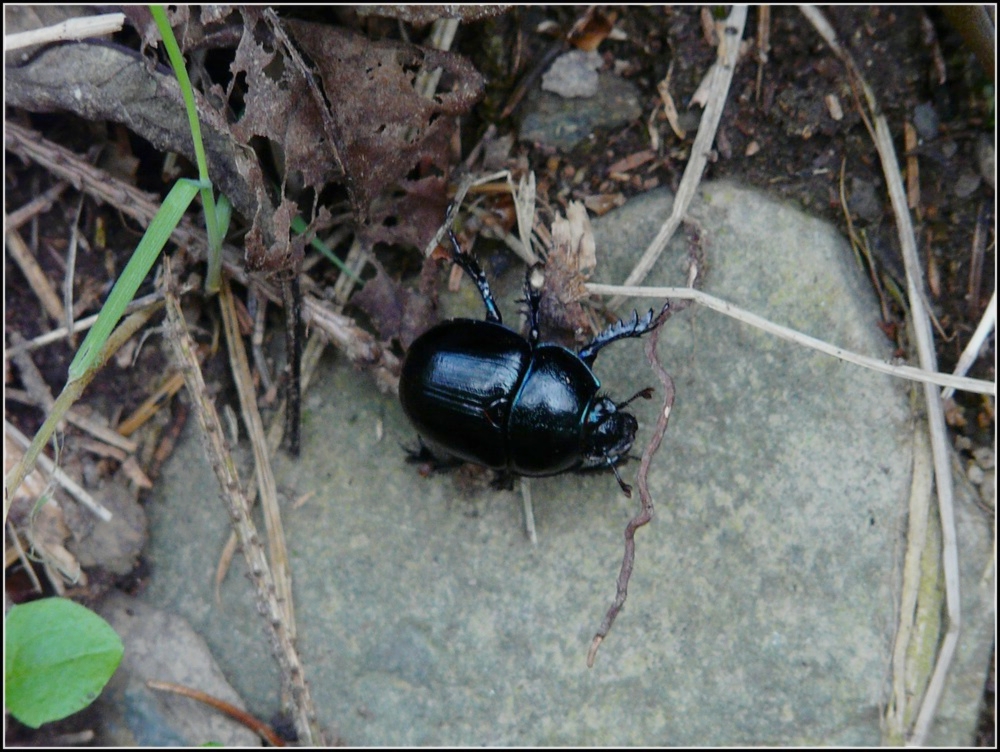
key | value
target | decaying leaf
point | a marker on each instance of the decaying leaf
(278, 106)
(48, 534)
(409, 215)
(389, 137)
(397, 312)
(102, 82)
(592, 29)
(384, 128)
(569, 265)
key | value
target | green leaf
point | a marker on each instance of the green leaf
(58, 656)
(157, 235)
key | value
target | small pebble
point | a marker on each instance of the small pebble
(926, 121)
(573, 74)
(984, 458)
(864, 200)
(967, 184)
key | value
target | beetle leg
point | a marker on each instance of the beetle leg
(635, 327)
(503, 480)
(429, 461)
(626, 488)
(533, 281)
(471, 267)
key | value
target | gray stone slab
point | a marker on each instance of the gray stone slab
(762, 607)
(560, 123)
(162, 646)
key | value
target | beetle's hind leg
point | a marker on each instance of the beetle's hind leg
(635, 327)
(471, 267)
(503, 480)
(429, 461)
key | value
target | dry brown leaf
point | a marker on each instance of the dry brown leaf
(47, 532)
(384, 128)
(398, 312)
(669, 108)
(569, 265)
(592, 29)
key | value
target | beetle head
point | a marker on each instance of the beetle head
(609, 433)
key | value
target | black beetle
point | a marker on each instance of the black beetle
(483, 393)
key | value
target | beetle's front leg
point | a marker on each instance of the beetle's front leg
(471, 267)
(636, 327)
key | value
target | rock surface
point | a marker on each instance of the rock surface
(762, 608)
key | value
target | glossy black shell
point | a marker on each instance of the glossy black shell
(481, 392)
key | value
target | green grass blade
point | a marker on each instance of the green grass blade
(300, 226)
(166, 219)
(187, 91)
(215, 237)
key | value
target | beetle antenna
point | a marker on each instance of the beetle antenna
(646, 393)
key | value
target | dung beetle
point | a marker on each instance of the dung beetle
(481, 392)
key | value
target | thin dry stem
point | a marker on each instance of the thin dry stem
(38, 205)
(80, 325)
(83, 422)
(70, 394)
(71, 487)
(38, 281)
(151, 405)
(266, 486)
(971, 352)
(923, 336)
(251, 722)
(722, 76)
(74, 28)
(238, 508)
(921, 489)
(310, 361)
(359, 346)
(724, 307)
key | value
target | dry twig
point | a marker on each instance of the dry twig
(646, 512)
(238, 507)
(721, 76)
(359, 346)
(310, 362)
(267, 488)
(251, 722)
(74, 28)
(71, 487)
(724, 307)
(923, 336)
(69, 395)
(38, 205)
(37, 279)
